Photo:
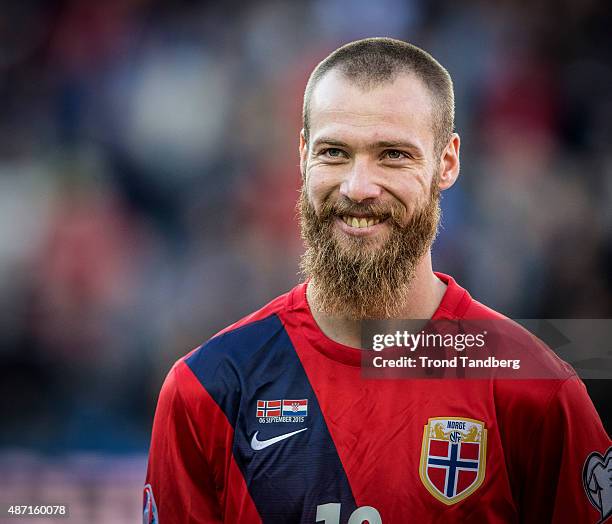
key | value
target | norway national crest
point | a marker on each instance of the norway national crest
(453, 457)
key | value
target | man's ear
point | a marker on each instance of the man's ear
(449, 163)
(303, 153)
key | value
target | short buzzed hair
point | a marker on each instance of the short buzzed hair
(374, 61)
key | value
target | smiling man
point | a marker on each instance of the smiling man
(272, 419)
(375, 154)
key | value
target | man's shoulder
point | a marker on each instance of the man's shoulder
(543, 380)
(231, 359)
(477, 310)
(511, 337)
(275, 306)
(246, 336)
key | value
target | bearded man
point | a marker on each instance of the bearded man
(272, 419)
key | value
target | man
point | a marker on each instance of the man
(272, 419)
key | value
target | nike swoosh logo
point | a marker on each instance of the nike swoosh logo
(262, 444)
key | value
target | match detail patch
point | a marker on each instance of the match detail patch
(282, 410)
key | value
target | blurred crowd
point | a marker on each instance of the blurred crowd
(149, 172)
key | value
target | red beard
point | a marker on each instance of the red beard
(356, 278)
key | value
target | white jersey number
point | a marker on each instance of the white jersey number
(330, 514)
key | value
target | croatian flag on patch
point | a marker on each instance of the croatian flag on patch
(295, 408)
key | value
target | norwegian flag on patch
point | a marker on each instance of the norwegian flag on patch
(294, 408)
(268, 408)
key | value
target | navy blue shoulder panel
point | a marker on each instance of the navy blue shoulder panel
(255, 376)
(223, 363)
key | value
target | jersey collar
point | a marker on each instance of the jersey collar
(453, 306)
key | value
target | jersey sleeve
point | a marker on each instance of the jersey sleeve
(570, 431)
(180, 483)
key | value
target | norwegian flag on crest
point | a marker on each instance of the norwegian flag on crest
(453, 457)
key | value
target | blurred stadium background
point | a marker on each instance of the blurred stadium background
(148, 175)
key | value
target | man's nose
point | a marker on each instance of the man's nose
(359, 184)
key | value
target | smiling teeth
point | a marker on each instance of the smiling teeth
(360, 222)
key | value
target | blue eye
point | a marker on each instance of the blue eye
(395, 154)
(333, 152)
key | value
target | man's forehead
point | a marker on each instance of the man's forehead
(400, 105)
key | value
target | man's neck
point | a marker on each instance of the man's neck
(426, 292)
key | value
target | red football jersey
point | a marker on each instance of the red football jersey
(271, 421)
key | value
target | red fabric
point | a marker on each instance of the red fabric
(438, 477)
(539, 434)
(192, 473)
(469, 451)
(379, 442)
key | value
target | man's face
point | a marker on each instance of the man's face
(370, 200)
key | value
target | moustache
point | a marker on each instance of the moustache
(395, 212)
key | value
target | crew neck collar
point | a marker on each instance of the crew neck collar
(453, 305)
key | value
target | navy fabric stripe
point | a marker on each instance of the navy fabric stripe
(288, 479)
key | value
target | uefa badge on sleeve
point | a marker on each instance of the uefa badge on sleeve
(597, 481)
(453, 457)
(149, 509)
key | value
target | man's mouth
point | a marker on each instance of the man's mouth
(361, 222)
